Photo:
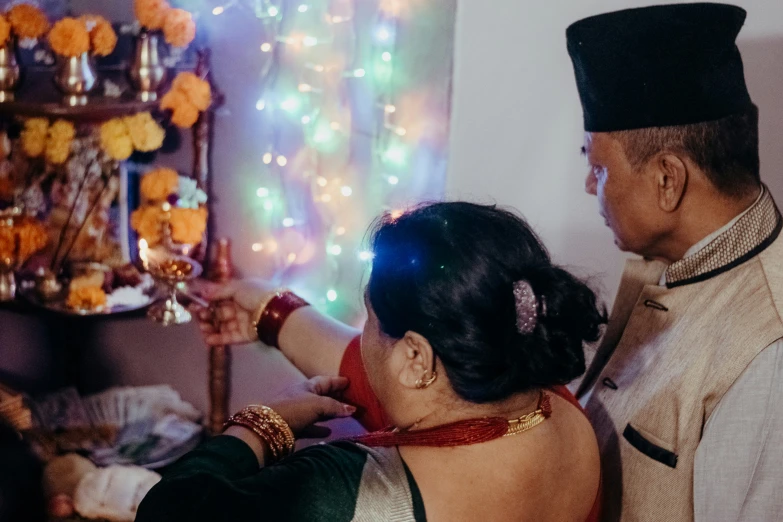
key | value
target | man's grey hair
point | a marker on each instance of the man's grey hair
(727, 150)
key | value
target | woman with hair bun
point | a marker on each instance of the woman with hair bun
(458, 375)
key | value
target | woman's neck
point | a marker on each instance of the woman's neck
(456, 409)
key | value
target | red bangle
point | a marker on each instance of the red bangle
(274, 316)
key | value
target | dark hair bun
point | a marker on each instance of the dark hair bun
(447, 272)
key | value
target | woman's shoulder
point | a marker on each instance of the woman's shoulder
(384, 487)
(324, 465)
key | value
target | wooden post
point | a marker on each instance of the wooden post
(201, 135)
(219, 356)
(219, 386)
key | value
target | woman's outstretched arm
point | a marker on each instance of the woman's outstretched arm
(312, 341)
(315, 343)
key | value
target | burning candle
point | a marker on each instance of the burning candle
(144, 253)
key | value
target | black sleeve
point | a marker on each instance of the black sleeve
(220, 481)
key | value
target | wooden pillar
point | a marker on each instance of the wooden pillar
(219, 377)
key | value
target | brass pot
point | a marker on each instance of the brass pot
(76, 77)
(147, 72)
(9, 71)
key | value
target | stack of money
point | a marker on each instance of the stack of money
(146, 426)
(13, 409)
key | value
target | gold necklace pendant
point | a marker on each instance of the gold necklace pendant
(530, 420)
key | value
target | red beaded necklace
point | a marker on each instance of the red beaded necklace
(459, 433)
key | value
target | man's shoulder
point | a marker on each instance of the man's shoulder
(771, 262)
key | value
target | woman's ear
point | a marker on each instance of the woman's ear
(419, 360)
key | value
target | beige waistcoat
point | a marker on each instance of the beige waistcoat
(670, 353)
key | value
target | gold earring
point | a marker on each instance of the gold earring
(421, 383)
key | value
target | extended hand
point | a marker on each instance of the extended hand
(309, 402)
(229, 319)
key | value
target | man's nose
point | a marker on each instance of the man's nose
(590, 184)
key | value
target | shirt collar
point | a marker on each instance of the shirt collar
(700, 245)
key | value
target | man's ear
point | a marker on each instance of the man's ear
(671, 179)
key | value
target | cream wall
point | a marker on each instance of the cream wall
(517, 128)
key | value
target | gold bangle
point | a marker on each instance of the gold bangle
(270, 427)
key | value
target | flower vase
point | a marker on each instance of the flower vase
(147, 72)
(9, 71)
(76, 77)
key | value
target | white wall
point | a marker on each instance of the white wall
(517, 127)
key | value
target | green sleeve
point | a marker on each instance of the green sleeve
(220, 481)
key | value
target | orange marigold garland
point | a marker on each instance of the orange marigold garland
(30, 236)
(172, 202)
(188, 96)
(151, 13)
(197, 91)
(147, 221)
(28, 21)
(103, 39)
(188, 225)
(86, 298)
(5, 30)
(158, 184)
(69, 37)
(179, 29)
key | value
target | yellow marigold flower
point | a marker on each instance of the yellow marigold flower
(146, 221)
(57, 152)
(116, 139)
(103, 39)
(151, 13)
(28, 21)
(69, 37)
(188, 225)
(179, 29)
(145, 132)
(62, 130)
(86, 298)
(58, 145)
(158, 184)
(197, 91)
(5, 30)
(34, 136)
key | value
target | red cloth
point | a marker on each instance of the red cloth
(370, 414)
(369, 411)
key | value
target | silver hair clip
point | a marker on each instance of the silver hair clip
(526, 306)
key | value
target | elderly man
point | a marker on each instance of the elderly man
(686, 389)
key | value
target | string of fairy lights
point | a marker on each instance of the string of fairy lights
(319, 67)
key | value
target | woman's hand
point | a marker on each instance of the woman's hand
(304, 404)
(229, 320)
(301, 406)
